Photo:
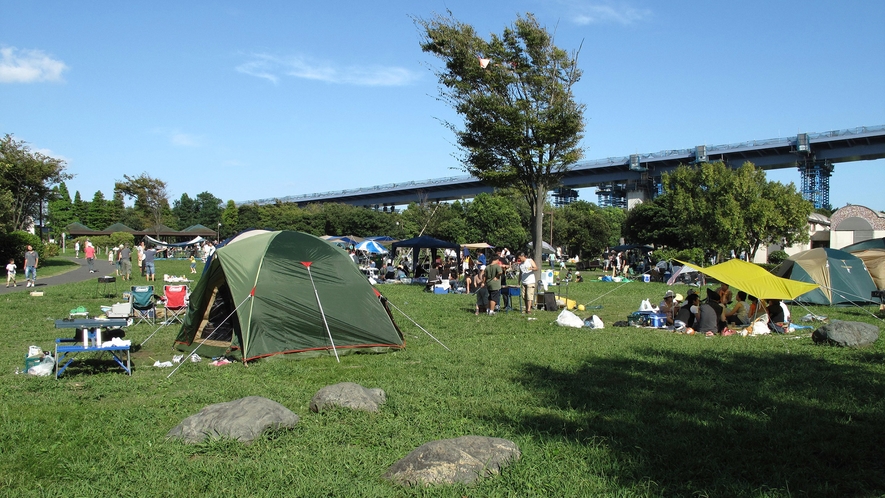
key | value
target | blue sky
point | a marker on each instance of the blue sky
(264, 99)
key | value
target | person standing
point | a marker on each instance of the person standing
(149, 269)
(194, 264)
(89, 252)
(77, 249)
(10, 273)
(527, 280)
(140, 250)
(125, 258)
(493, 282)
(31, 261)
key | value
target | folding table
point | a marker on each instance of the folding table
(69, 348)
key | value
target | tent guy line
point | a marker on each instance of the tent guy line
(416, 324)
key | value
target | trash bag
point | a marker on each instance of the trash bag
(568, 319)
(594, 322)
(645, 305)
(44, 368)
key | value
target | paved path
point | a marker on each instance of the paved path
(80, 274)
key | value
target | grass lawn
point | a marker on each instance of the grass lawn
(611, 412)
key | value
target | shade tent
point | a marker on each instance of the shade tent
(426, 242)
(628, 247)
(257, 298)
(842, 276)
(545, 247)
(160, 243)
(755, 280)
(478, 245)
(371, 246)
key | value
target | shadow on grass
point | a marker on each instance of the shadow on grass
(736, 424)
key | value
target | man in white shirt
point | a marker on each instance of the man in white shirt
(527, 280)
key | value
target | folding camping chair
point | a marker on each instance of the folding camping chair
(175, 299)
(144, 305)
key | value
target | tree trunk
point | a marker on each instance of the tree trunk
(538, 231)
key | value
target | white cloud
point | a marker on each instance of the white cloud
(272, 68)
(184, 140)
(28, 66)
(608, 13)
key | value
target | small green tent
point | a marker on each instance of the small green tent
(256, 299)
(843, 277)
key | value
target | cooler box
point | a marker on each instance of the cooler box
(120, 310)
(657, 320)
(437, 289)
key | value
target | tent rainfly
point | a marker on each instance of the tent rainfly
(256, 299)
(843, 277)
(755, 280)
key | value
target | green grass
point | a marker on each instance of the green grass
(53, 266)
(612, 412)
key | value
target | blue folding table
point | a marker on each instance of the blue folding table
(69, 348)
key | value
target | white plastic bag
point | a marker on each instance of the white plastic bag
(568, 319)
(645, 305)
(594, 322)
(43, 368)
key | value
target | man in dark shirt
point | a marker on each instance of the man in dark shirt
(125, 256)
(494, 273)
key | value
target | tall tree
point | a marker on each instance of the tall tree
(81, 208)
(208, 209)
(230, 219)
(151, 198)
(185, 209)
(522, 125)
(61, 210)
(98, 218)
(28, 177)
(495, 220)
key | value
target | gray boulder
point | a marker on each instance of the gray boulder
(244, 420)
(846, 334)
(348, 395)
(448, 461)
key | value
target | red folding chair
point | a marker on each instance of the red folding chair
(175, 298)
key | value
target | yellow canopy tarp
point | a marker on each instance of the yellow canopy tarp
(754, 280)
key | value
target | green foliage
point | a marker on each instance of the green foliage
(777, 257)
(151, 198)
(494, 220)
(26, 181)
(50, 250)
(230, 220)
(60, 210)
(14, 244)
(694, 255)
(522, 127)
(99, 215)
(719, 210)
(581, 228)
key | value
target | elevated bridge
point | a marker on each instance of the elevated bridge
(621, 180)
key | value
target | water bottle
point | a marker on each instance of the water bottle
(85, 338)
(98, 337)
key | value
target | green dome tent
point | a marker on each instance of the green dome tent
(256, 299)
(843, 277)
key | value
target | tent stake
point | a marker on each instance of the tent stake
(323, 313)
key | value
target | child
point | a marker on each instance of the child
(10, 273)
(193, 264)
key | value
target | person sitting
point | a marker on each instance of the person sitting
(739, 314)
(777, 316)
(711, 317)
(667, 307)
(725, 296)
(689, 311)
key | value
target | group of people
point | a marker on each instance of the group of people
(713, 316)
(490, 279)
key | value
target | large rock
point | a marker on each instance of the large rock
(846, 334)
(348, 395)
(244, 420)
(460, 460)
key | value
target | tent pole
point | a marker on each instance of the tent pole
(323, 313)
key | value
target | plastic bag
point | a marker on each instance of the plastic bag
(594, 322)
(568, 319)
(43, 368)
(645, 305)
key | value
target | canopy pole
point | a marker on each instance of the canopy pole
(320, 304)
(184, 360)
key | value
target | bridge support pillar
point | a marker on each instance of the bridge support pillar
(816, 182)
